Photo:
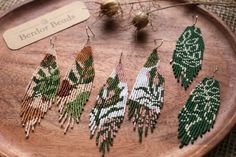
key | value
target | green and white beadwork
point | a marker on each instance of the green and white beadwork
(75, 89)
(188, 55)
(109, 110)
(40, 93)
(199, 112)
(147, 96)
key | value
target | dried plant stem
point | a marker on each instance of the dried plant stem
(135, 2)
(194, 3)
(226, 4)
(130, 3)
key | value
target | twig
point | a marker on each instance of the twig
(194, 3)
(130, 3)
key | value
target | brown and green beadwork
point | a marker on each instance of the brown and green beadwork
(75, 89)
(40, 93)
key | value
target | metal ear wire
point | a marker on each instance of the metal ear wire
(155, 41)
(121, 57)
(52, 40)
(213, 74)
(195, 20)
(88, 36)
(52, 44)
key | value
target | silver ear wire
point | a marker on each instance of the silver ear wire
(155, 41)
(121, 57)
(52, 41)
(214, 72)
(52, 44)
(88, 36)
(195, 20)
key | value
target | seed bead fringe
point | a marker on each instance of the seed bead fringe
(108, 113)
(199, 112)
(75, 89)
(147, 97)
(40, 93)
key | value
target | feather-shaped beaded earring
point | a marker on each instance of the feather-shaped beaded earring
(199, 112)
(109, 109)
(188, 55)
(76, 87)
(41, 91)
(147, 96)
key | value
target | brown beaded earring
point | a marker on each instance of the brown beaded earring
(41, 91)
(76, 87)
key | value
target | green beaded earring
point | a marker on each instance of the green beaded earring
(108, 112)
(147, 96)
(76, 88)
(188, 55)
(41, 91)
(199, 112)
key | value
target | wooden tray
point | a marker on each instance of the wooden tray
(16, 68)
(12, 5)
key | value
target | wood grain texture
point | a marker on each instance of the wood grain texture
(16, 68)
(10, 6)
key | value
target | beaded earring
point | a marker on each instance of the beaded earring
(109, 109)
(199, 112)
(40, 92)
(147, 96)
(188, 55)
(76, 87)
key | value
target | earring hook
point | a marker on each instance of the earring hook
(52, 41)
(213, 74)
(195, 20)
(155, 41)
(121, 57)
(88, 36)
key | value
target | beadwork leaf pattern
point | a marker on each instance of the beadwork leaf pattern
(109, 109)
(75, 89)
(40, 93)
(147, 96)
(199, 112)
(188, 55)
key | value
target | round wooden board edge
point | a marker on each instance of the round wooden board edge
(4, 13)
(231, 37)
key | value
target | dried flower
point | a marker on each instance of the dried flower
(140, 20)
(110, 7)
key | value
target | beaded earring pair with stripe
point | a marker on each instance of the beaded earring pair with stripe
(144, 103)
(43, 90)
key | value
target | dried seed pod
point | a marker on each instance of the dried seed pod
(110, 7)
(140, 20)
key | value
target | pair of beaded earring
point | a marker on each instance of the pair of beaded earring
(144, 103)
(43, 89)
(199, 112)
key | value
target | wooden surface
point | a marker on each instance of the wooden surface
(11, 6)
(16, 68)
